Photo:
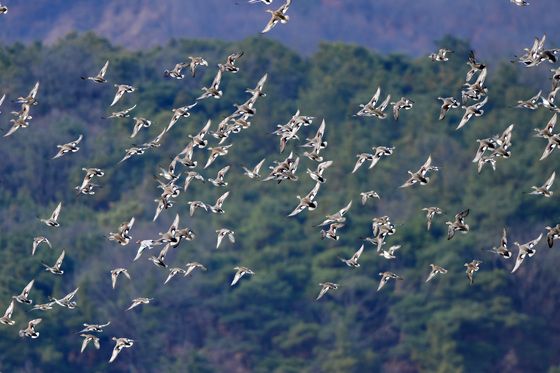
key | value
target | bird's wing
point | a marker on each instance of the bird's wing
(221, 200)
(118, 95)
(236, 278)
(84, 344)
(299, 208)
(323, 291)
(222, 172)
(9, 310)
(426, 165)
(103, 70)
(258, 166)
(27, 288)
(534, 243)
(358, 253)
(550, 180)
(33, 93)
(313, 193)
(56, 211)
(217, 80)
(358, 164)
(382, 282)
(115, 353)
(59, 260)
(384, 104)
(551, 123)
(373, 101)
(518, 261)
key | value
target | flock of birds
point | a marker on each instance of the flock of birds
(474, 96)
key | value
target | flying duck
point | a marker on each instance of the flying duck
(121, 90)
(308, 201)
(390, 254)
(138, 301)
(325, 287)
(254, 173)
(502, 250)
(214, 89)
(440, 55)
(317, 175)
(402, 104)
(222, 233)
(181, 112)
(229, 66)
(458, 225)
(37, 241)
(385, 277)
(240, 272)
(447, 104)
(430, 213)
(278, 15)
(353, 261)
(192, 266)
(96, 328)
(420, 175)
(55, 269)
(216, 152)
(120, 343)
(100, 77)
(115, 275)
(173, 272)
(30, 331)
(87, 339)
(544, 190)
(472, 267)
(527, 249)
(473, 110)
(435, 271)
(67, 301)
(196, 61)
(553, 233)
(219, 180)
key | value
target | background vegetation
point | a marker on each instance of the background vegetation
(270, 322)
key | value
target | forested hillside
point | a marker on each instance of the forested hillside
(271, 322)
(494, 27)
